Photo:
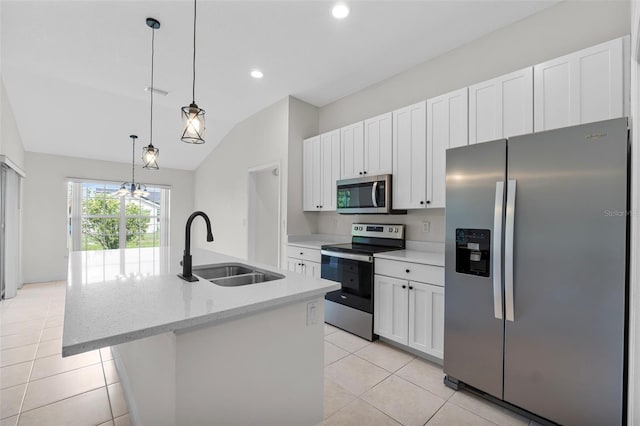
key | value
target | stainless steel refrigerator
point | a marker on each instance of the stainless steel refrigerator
(536, 272)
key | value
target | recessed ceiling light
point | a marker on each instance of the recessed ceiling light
(257, 74)
(340, 11)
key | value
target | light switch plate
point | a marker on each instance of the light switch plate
(425, 226)
(312, 313)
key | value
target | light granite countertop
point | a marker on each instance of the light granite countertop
(116, 296)
(417, 252)
(316, 241)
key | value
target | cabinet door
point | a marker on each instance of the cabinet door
(312, 168)
(582, 87)
(426, 318)
(330, 168)
(291, 264)
(352, 152)
(501, 107)
(312, 269)
(410, 157)
(378, 146)
(390, 315)
(446, 128)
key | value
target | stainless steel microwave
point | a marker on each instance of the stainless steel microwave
(371, 194)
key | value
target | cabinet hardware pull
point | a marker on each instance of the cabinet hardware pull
(360, 172)
(421, 202)
(364, 172)
(410, 287)
(301, 253)
(404, 286)
(428, 202)
(407, 271)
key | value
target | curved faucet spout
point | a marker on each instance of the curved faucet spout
(187, 274)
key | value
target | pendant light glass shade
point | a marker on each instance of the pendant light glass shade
(132, 188)
(150, 157)
(193, 127)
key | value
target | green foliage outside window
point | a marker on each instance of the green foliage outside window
(105, 230)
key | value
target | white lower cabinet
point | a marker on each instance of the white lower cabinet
(304, 261)
(409, 312)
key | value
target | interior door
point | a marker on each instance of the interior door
(473, 339)
(565, 312)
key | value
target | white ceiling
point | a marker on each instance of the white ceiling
(75, 71)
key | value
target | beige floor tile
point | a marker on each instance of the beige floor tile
(17, 340)
(55, 364)
(335, 397)
(54, 321)
(328, 329)
(26, 327)
(110, 372)
(427, 375)
(51, 333)
(17, 355)
(9, 421)
(48, 348)
(359, 413)
(10, 400)
(118, 403)
(494, 413)
(109, 423)
(54, 388)
(450, 414)
(403, 401)
(106, 355)
(90, 408)
(15, 374)
(355, 374)
(332, 353)
(346, 341)
(385, 356)
(122, 421)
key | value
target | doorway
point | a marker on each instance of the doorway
(264, 214)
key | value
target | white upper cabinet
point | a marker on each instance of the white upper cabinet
(321, 169)
(378, 145)
(446, 128)
(330, 143)
(312, 166)
(410, 157)
(501, 107)
(582, 87)
(352, 156)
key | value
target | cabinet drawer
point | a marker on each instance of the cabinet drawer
(416, 271)
(312, 255)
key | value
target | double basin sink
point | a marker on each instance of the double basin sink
(234, 274)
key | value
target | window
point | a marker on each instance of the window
(100, 220)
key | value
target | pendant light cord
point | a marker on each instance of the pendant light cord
(193, 91)
(133, 162)
(153, 34)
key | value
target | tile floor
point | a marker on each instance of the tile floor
(365, 383)
(37, 385)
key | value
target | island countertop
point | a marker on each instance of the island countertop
(116, 296)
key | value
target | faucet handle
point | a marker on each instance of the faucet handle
(181, 263)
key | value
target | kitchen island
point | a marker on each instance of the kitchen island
(200, 353)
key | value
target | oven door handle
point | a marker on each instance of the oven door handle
(349, 256)
(374, 194)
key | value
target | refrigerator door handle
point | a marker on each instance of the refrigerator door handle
(508, 250)
(497, 250)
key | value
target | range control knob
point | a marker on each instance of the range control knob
(396, 230)
(390, 229)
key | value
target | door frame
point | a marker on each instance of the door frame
(251, 212)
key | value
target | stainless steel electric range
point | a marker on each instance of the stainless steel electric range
(352, 265)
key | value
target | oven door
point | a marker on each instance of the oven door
(355, 273)
(364, 195)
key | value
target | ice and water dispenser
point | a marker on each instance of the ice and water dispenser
(472, 251)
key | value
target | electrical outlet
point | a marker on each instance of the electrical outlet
(312, 313)
(425, 226)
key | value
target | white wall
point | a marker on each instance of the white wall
(45, 206)
(558, 30)
(10, 140)
(266, 208)
(221, 186)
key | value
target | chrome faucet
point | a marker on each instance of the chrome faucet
(186, 258)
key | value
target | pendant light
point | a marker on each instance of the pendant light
(150, 153)
(132, 188)
(192, 116)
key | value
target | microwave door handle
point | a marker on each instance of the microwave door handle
(374, 194)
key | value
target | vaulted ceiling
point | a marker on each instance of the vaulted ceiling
(75, 71)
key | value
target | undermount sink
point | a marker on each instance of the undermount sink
(234, 274)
